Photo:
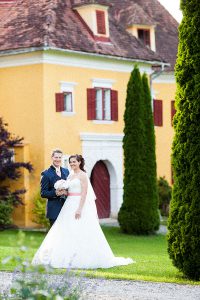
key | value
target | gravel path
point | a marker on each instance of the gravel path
(109, 222)
(101, 289)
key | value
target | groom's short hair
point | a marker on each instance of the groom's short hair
(56, 151)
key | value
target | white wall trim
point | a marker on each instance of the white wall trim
(165, 78)
(68, 114)
(101, 82)
(89, 136)
(67, 86)
(108, 148)
(102, 122)
(71, 59)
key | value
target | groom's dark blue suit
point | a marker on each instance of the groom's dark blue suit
(54, 203)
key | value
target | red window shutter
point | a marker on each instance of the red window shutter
(101, 23)
(91, 104)
(114, 105)
(60, 102)
(147, 38)
(158, 112)
(173, 111)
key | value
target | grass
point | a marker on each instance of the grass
(149, 252)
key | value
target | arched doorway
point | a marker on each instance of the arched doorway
(100, 180)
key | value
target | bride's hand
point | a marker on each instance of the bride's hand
(78, 214)
(59, 192)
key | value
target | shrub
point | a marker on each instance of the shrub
(39, 211)
(164, 195)
(6, 210)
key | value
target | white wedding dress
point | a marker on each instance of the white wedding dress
(77, 243)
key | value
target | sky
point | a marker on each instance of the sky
(173, 7)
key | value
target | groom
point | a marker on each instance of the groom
(49, 177)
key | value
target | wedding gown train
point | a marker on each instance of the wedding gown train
(72, 243)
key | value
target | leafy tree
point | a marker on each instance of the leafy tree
(9, 170)
(139, 211)
(184, 219)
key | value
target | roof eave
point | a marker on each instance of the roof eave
(163, 64)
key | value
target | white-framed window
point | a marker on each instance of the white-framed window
(65, 100)
(68, 102)
(102, 101)
(103, 104)
(145, 36)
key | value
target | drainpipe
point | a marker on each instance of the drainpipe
(154, 75)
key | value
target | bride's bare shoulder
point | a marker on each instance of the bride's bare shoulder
(83, 175)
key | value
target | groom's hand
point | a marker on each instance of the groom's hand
(59, 192)
(65, 192)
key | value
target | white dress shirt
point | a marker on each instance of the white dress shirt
(58, 171)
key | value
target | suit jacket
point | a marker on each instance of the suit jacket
(48, 179)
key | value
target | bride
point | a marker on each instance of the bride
(76, 239)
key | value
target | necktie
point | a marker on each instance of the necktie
(58, 172)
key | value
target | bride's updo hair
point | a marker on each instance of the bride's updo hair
(80, 159)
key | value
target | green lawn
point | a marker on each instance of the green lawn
(149, 252)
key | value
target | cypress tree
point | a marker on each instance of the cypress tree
(138, 213)
(152, 201)
(184, 220)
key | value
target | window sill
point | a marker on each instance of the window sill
(102, 122)
(68, 114)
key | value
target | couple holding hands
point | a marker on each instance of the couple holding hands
(75, 238)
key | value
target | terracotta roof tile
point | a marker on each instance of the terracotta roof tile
(134, 14)
(83, 2)
(54, 23)
(166, 30)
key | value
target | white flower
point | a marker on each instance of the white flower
(61, 184)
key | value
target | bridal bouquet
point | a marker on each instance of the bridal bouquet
(61, 185)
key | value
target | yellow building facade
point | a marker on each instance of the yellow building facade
(29, 108)
(30, 79)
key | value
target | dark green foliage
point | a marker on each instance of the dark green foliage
(184, 220)
(9, 171)
(150, 158)
(6, 209)
(39, 211)
(139, 211)
(164, 195)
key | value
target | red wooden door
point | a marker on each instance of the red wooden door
(100, 180)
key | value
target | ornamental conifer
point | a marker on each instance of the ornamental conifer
(184, 219)
(139, 211)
